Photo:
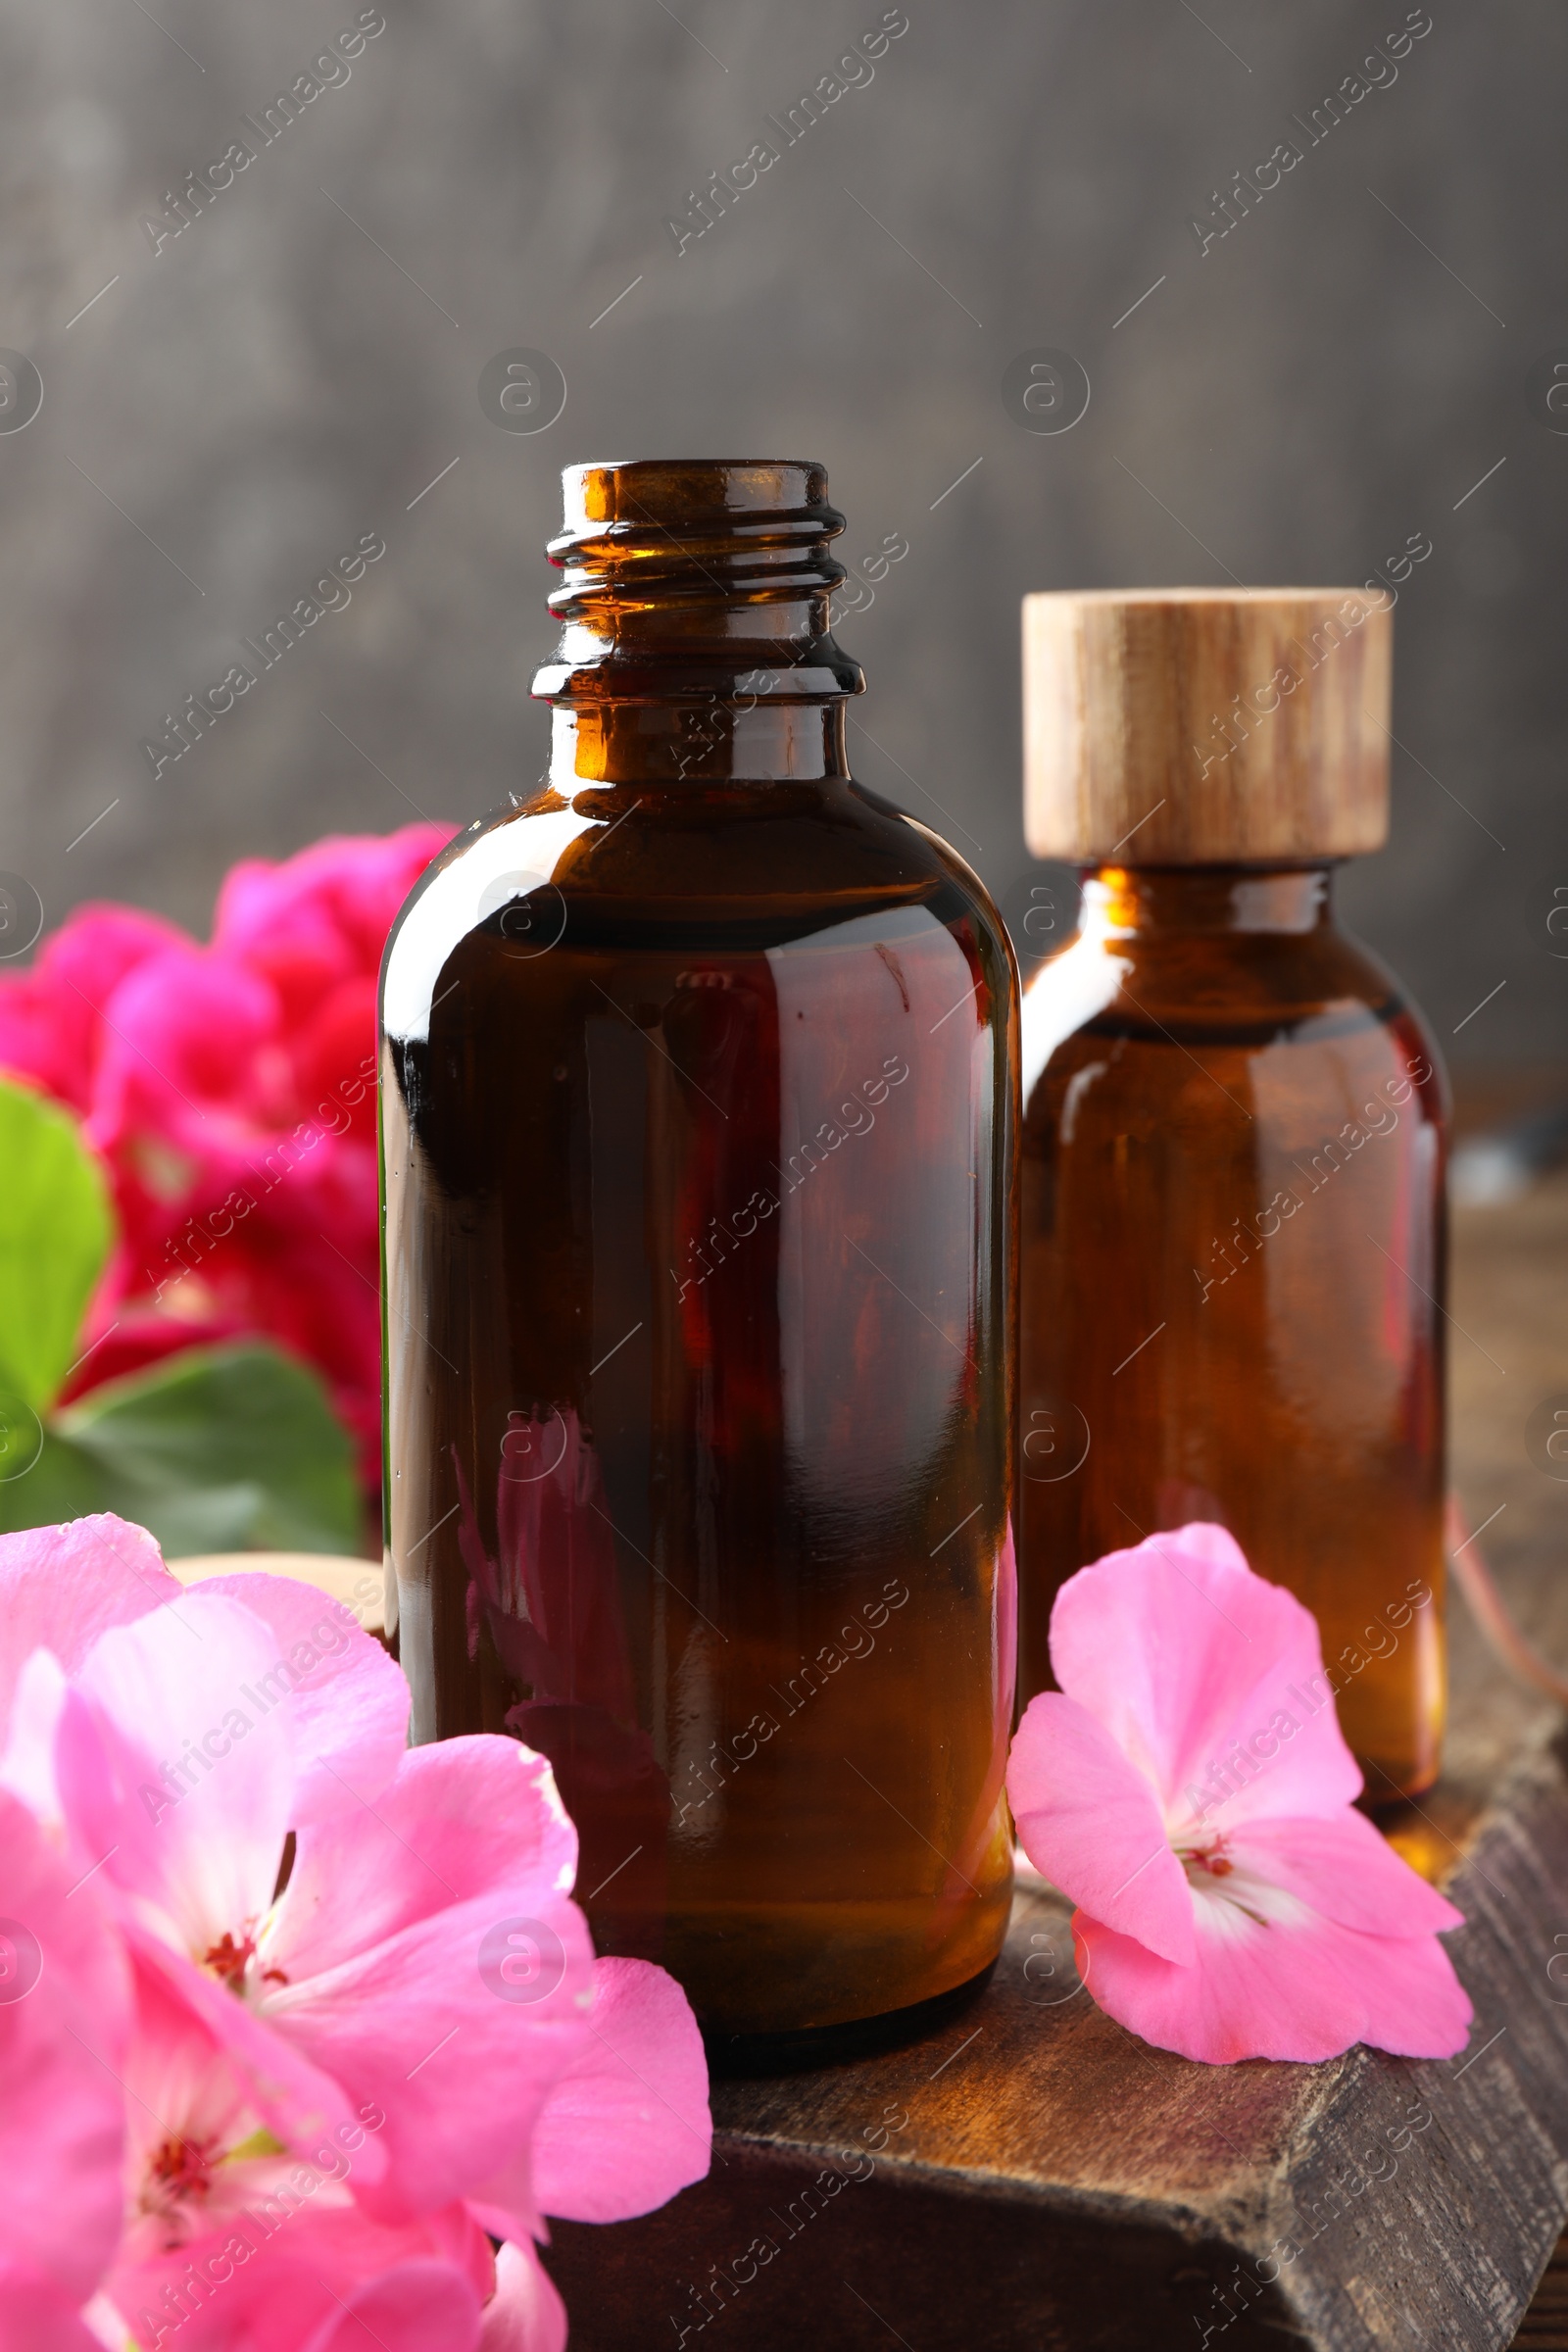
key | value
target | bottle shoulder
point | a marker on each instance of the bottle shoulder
(739, 868)
(1320, 995)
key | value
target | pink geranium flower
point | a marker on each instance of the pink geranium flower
(231, 2236)
(230, 1090)
(61, 2121)
(367, 2031)
(1189, 1788)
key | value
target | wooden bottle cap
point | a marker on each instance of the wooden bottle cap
(1202, 726)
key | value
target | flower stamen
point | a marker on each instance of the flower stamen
(230, 1961)
(1215, 1863)
(183, 2167)
(179, 2176)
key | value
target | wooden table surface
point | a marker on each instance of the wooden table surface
(1034, 2176)
(1511, 1285)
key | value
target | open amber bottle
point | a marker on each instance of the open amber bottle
(1232, 1253)
(697, 1098)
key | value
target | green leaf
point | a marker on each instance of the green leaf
(43, 1479)
(55, 1231)
(217, 1449)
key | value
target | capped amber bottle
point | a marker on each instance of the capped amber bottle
(1232, 1253)
(699, 1131)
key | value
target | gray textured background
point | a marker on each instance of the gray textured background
(272, 383)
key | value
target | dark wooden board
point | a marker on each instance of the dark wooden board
(1545, 2327)
(1035, 2176)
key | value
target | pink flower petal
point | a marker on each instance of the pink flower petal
(348, 1701)
(1208, 1678)
(51, 1017)
(322, 915)
(393, 1938)
(28, 1754)
(331, 1045)
(1302, 1987)
(61, 1587)
(418, 2307)
(282, 2265)
(422, 2026)
(185, 1782)
(196, 1020)
(64, 2014)
(627, 2125)
(1089, 1822)
(35, 2317)
(525, 2313)
(1347, 1871)
(105, 2330)
(458, 1818)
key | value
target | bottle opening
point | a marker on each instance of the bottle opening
(696, 578)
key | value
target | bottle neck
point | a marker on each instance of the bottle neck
(1132, 902)
(722, 740)
(696, 643)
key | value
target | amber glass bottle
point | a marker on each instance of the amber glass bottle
(1234, 1140)
(699, 1078)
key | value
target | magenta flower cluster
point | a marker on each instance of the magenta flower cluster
(230, 1090)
